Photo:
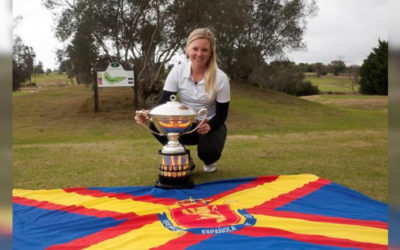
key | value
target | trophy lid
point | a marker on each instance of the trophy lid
(172, 108)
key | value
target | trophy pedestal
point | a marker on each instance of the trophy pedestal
(173, 146)
(174, 171)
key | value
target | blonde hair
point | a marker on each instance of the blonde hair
(211, 70)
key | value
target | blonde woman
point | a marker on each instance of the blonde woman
(201, 84)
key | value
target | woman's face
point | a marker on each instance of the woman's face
(199, 52)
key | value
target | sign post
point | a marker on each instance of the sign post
(96, 92)
(113, 76)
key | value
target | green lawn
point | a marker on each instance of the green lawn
(360, 102)
(331, 83)
(51, 79)
(59, 142)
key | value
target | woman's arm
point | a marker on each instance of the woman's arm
(221, 113)
(165, 97)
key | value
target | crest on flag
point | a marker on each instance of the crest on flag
(199, 217)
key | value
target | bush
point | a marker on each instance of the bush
(283, 76)
(306, 88)
(374, 71)
(32, 84)
(256, 84)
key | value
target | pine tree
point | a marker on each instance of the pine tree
(374, 71)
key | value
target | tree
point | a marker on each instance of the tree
(64, 63)
(319, 68)
(146, 34)
(284, 76)
(257, 30)
(353, 72)
(38, 69)
(374, 71)
(337, 66)
(82, 55)
(305, 67)
(23, 62)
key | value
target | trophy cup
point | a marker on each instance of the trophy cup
(173, 119)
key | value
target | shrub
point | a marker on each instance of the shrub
(374, 71)
(306, 88)
(256, 84)
(32, 84)
(283, 76)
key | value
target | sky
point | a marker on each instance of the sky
(5, 26)
(36, 29)
(344, 30)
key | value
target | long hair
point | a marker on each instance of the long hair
(211, 70)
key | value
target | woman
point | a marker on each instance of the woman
(201, 84)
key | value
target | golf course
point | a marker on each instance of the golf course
(59, 142)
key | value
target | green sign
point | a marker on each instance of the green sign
(115, 76)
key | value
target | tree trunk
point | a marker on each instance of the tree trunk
(147, 98)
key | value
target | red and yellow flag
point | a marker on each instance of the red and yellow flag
(268, 212)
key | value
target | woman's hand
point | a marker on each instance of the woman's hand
(141, 116)
(204, 128)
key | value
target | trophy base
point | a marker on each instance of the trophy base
(189, 184)
(174, 171)
(174, 149)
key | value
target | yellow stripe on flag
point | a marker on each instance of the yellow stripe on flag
(335, 230)
(140, 238)
(262, 193)
(60, 197)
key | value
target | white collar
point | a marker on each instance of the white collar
(187, 72)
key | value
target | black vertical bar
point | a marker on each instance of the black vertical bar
(96, 92)
(135, 89)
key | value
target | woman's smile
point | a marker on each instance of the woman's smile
(199, 52)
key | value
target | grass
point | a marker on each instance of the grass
(59, 142)
(331, 83)
(51, 79)
(360, 102)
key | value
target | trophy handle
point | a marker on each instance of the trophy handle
(147, 114)
(205, 113)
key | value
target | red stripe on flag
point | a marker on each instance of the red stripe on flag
(315, 239)
(121, 196)
(321, 218)
(268, 207)
(289, 197)
(107, 233)
(187, 240)
(257, 181)
(72, 209)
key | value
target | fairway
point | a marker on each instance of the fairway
(331, 84)
(58, 141)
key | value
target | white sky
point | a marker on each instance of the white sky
(37, 30)
(343, 29)
(5, 24)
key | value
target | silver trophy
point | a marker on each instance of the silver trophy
(173, 119)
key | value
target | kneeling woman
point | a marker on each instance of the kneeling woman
(200, 84)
